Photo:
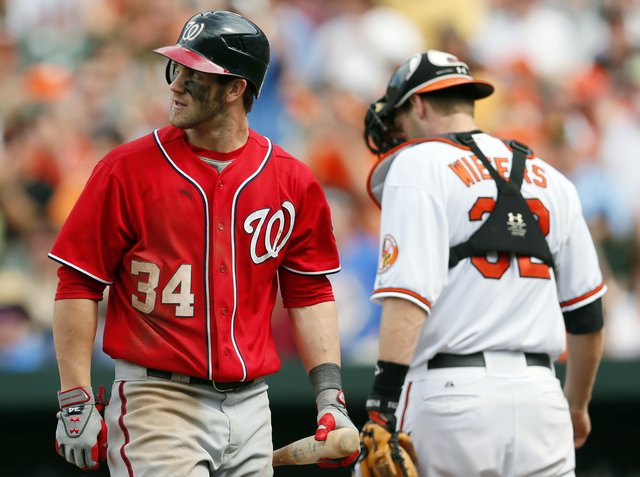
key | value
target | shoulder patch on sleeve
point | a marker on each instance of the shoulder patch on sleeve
(389, 253)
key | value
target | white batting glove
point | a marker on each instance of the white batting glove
(81, 435)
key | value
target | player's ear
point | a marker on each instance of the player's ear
(419, 105)
(236, 89)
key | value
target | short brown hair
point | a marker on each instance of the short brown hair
(457, 99)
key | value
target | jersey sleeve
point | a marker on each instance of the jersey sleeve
(73, 284)
(578, 275)
(304, 290)
(413, 233)
(312, 249)
(97, 230)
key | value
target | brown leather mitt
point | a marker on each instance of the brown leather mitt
(386, 454)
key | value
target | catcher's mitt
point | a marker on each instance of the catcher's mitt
(386, 454)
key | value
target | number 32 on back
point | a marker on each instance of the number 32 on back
(496, 269)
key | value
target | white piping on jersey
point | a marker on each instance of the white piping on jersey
(233, 256)
(206, 249)
(323, 272)
(84, 272)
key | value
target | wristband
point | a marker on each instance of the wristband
(325, 376)
(389, 379)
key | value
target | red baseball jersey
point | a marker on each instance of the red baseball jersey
(192, 256)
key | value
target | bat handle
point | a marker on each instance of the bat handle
(339, 443)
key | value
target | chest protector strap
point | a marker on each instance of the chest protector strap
(511, 227)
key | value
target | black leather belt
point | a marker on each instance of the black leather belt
(446, 360)
(223, 386)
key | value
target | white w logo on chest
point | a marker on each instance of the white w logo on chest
(272, 233)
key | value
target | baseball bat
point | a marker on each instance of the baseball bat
(340, 443)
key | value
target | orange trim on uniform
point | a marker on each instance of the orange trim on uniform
(417, 141)
(369, 188)
(424, 139)
(371, 195)
(406, 404)
(404, 292)
(583, 297)
(397, 148)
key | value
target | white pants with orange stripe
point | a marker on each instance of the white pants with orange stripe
(159, 427)
(506, 419)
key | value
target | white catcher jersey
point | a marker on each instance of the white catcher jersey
(434, 195)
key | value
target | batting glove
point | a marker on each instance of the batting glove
(81, 435)
(332, 414)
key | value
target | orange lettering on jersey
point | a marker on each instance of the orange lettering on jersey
(491, 269)
(482, 206)
(526, 176)
(530, 269)
(462, 173)
(471, 168)
(540, 178)
(481, 169)
(500, 164)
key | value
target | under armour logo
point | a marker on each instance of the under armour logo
(516, 224)
(74, 425)
(192, 30)
(273, 243)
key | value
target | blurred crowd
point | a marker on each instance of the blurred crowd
(78, 77)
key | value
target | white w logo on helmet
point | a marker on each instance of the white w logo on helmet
(192, 30)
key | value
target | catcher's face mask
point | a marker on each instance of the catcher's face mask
(422, 73)
(380, 134)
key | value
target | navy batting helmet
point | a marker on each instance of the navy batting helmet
(224, 43)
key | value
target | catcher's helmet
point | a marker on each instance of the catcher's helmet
(422, 73)
(223, 43)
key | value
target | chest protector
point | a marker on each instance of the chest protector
(511, 226)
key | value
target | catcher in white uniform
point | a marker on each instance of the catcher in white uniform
(487, 272)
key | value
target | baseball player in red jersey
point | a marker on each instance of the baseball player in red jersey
(192, 227)
(487, 270)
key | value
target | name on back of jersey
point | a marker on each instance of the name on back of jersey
(470, 171)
